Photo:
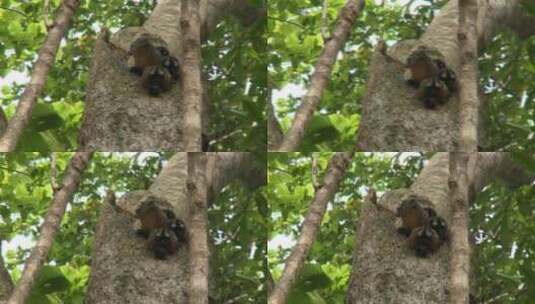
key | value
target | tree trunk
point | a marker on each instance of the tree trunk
(123, 270)
(119, 114)
(393, 119)
(384, 269)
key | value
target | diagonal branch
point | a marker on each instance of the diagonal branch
(321, 75)
(50, 226)
(335, 173)
(44, 62)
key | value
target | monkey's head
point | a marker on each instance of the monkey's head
(424, 241)
(156, 80)
(163, 243)
(438, 224)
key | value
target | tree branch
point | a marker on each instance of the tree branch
(321, 75)
(45, 60)
(334, 175)
(191, 75)
(198, 228)
(460, 246)
(468, 81)
(49, 227)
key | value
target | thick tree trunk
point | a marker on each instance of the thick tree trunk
(384, 269)
(393, 119)
(119, 114)
(123, 270)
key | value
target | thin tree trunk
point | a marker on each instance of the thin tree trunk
(49, 227)
(198, 232)
(191, 76)
(334, 175)
(383, 267)
(468, 80)
(45, 60)
(460, 246)
(321, 75)
(393, 119)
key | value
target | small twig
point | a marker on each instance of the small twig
(235, 300)
(54, 173)
(286, 21)
(12, 170)
(315, 183)
(14, 10)
(324, 21)
(46, 7)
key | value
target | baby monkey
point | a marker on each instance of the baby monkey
(152, 61)
(427, 72)
(426, 231)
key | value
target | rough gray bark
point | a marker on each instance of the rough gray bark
(384, 269)
(50, 226)
(311, 225)
(392, 117)
(119, 115)
(123, 270)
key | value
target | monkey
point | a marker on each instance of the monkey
(156, 80)
(152, 61)
(433, 92)
(147, 51)
(433, 79)
(412, 216)
(424, 240)
(438, 224)
(171, 64)
(420, 66)
(163, 231)
(162, 243)
(426, 231)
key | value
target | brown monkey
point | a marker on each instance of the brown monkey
(424, 240)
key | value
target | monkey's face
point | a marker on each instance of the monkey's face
(156, 80)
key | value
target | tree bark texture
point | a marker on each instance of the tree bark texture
(191, 76)
(49, 227)
(334, 175)
(468, 79)
(320, 77)
(45, 60)
(6, 283)
(119, 114)
(384, 269)
(198, 232)
(123, 270)
(393, 119)
(459, 242)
